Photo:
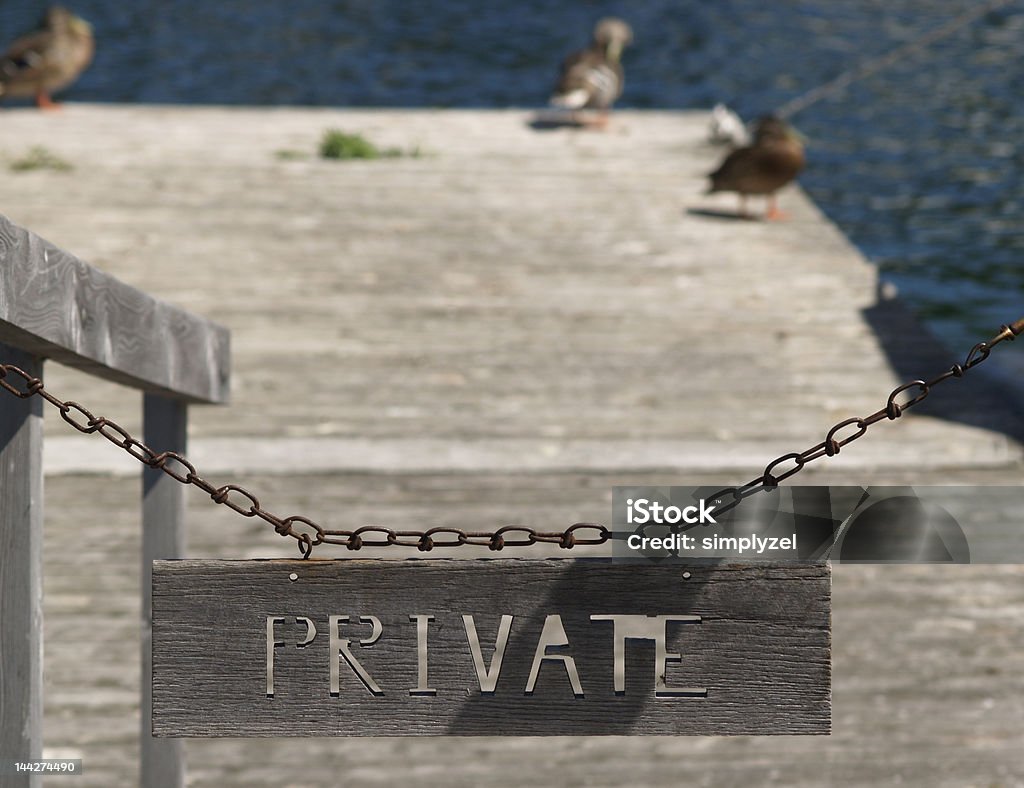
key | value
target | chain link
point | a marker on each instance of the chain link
(309, 534)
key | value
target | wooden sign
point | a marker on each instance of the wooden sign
(489, 647)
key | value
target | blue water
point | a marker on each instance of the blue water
(918, 164)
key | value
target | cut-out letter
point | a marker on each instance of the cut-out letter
(488, 678)
(639, 627)
(273, 643)
(340, 648)
(553, 634)
(421, 687)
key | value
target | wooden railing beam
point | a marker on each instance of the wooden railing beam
(56, 306)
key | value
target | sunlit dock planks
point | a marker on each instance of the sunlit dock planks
(500, 329)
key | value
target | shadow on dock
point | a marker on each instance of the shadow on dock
(731, 216)
(554, 122)
(983, 398)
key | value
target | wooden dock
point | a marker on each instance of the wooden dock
(497, 330)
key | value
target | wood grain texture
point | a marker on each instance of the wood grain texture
(762, 648)
(21, 582)
(56, 306)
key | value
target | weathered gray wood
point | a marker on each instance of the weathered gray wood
(163, 536)
(56, 306)
(761, 649)
(565, 360)
(21, 582)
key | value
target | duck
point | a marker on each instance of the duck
(48, 59)
(593, 77)
(772, 160)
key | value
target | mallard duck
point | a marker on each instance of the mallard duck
(593, 78)
(775, 158)
(47, 60)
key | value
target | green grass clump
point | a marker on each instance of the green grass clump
(40, 158)
(341, 145)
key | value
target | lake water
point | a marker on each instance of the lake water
(919, 164)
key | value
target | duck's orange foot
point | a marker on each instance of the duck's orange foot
(773, 214)
(597, 121)
(43, 101)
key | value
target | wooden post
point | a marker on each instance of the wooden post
(163, 536)
(55, 306)
(21, 573)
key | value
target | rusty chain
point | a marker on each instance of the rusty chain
(246, 504)
(858, 427)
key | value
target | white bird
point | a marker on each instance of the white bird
(726, 128)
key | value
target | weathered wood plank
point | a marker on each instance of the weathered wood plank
(56, 306)
(756, 662)
(21, 582)
(163, 536)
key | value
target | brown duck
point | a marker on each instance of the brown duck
(773, 159)
(48, 59)
(593, 77)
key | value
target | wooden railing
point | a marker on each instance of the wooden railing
(56, 307)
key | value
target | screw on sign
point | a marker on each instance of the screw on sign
(309, 534)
